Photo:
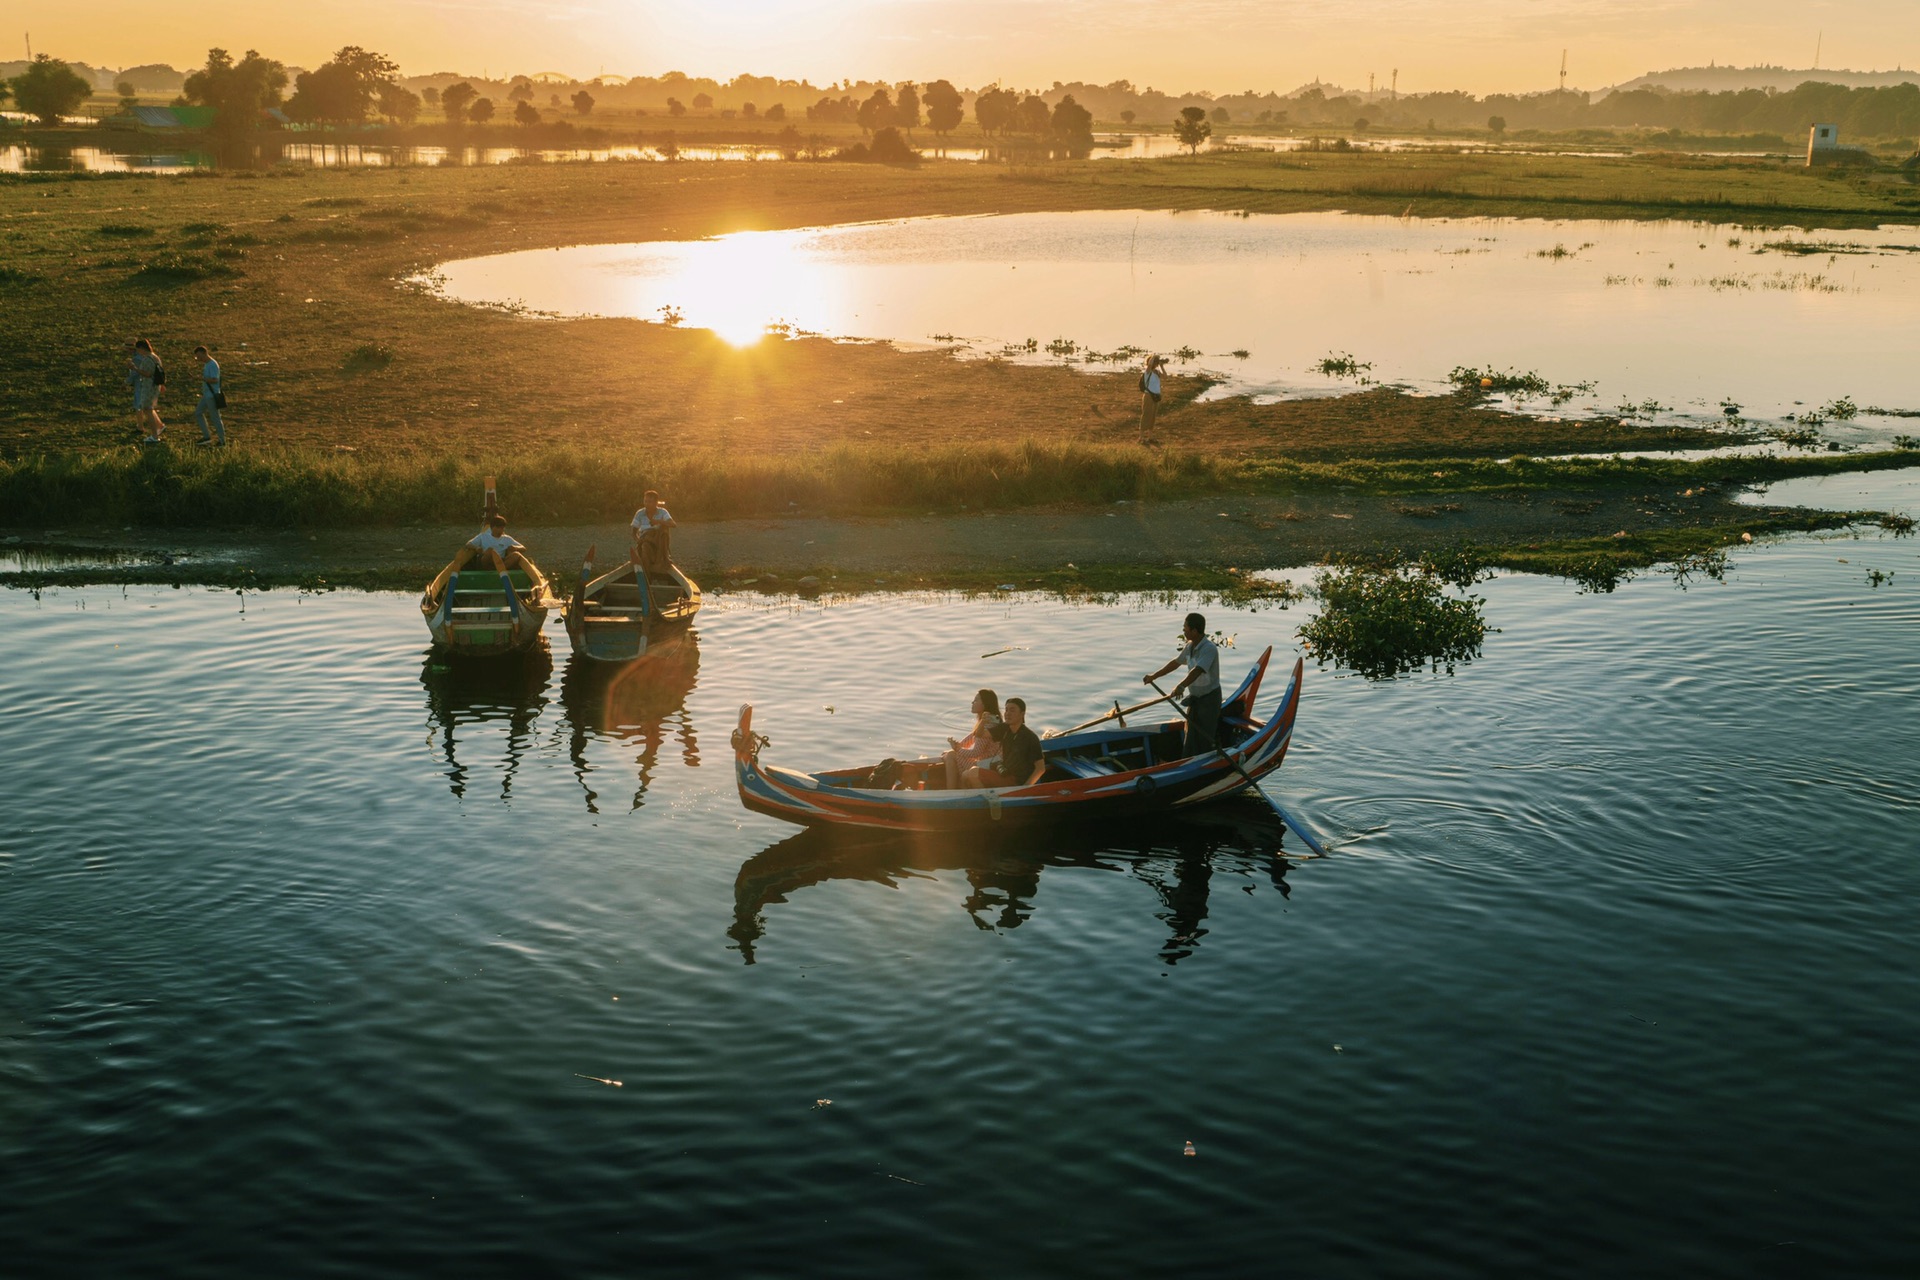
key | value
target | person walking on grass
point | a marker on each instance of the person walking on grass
(207, 411)
(146, 376)
(1150, 397)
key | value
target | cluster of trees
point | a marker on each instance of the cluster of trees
(47, 89)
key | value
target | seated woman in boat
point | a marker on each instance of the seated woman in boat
(982, 745)
(652, 533)
(1022, 760)
(492, 547)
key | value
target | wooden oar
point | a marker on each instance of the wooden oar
(1118, 713)
(1285, 817)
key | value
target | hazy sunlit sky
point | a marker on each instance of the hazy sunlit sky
(1217, 45)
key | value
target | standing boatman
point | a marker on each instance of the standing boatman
(1202, 685)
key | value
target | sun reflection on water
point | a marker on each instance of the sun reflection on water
(740, 285)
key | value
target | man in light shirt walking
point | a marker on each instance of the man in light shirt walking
(207, 411)
(1202, 685)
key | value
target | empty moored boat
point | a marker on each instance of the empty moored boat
(1092, 773)
(617, 615)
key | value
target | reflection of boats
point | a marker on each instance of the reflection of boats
(633, 704)
(472, 694)
(476, 611)
(1175, 859)
(615, 617)
(1092, 774)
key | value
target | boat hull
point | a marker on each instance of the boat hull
(1083, 782)
(617, 617)
(483, 613)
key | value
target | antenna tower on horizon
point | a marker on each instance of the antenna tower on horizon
(1563, 71)
(1369, 86)
(1396, 84)
(1817, 40)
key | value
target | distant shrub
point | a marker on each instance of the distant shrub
(334, 202)
(368, 357)
(122, 230)
(203, 228)
(182, 268)
(14, 276)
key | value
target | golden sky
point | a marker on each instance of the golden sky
(1218, 45)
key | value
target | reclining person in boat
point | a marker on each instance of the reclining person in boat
(493, 548)
(652, 533)
(1022, 759)
(982, 746)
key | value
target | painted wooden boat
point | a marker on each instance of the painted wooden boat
(1099, 773)
(617, 615)
(481, 613)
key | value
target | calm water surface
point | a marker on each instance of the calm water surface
(318, 957)
(1683, 315)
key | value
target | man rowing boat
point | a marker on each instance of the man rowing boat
(1203, 681)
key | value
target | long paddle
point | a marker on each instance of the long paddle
(1118, 713)
(1285, 817)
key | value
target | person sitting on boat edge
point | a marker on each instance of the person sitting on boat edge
(492, 547)
(982, 746)
(1022, 759)
(652, 536)
(1202, 685)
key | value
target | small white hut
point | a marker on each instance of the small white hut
(1823, 144)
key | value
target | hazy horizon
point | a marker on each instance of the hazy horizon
(1220, 46)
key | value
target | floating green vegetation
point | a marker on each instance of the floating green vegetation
(1387, 616)
(1841, 410)
(1490, 379)
(1341, 364)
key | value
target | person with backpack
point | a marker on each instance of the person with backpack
(1149, 396)
(212, 400)
(146, 375)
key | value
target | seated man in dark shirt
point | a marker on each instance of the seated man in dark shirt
(1021, 759)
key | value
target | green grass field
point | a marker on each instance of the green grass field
(355, 397)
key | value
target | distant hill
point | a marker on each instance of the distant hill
(156, 77)
(1779, 79)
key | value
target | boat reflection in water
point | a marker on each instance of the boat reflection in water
(1177, 858)
(461, 696)
(639, 704)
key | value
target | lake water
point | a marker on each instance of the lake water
(320, 959)
(1668, 319)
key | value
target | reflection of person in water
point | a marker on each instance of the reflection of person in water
(639, 705)
(1003, 876)
(463, 699)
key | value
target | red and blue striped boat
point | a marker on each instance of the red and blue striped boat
(1092, 774)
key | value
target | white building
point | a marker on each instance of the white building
(1823, 143)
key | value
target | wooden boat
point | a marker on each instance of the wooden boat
(481, 612)
(617, 615)
(1092, 773)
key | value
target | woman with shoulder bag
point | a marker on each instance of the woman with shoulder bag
(145, 376)
(1149, 396)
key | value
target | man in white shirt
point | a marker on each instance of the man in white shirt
(1202, 684)
(492, 547)
(652, 541)
(207, 411)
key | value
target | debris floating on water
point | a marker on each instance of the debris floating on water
(1190, 1151)
(821, 1104)
(601, 1079)
(1012, 648)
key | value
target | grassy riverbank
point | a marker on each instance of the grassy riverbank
(307, 488)
(361, 400)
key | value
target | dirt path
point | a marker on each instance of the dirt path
(1241, 532)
